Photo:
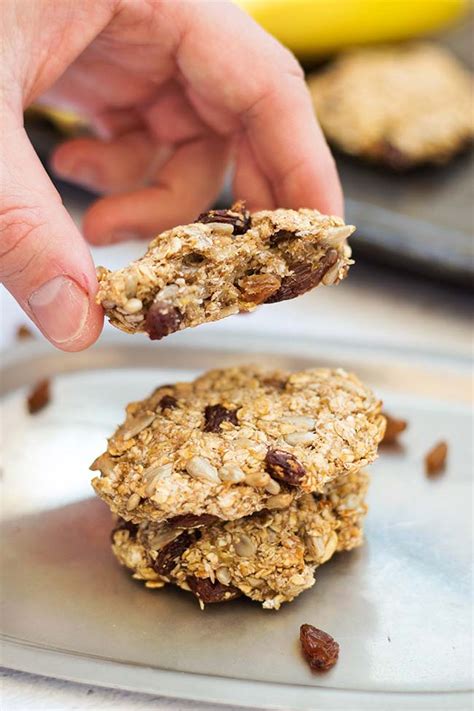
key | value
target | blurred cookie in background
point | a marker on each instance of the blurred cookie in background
(401, 106)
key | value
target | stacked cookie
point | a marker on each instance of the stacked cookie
(241, 482)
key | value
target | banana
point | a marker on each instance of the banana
(318, 27)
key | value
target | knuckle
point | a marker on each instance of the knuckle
(19, 243)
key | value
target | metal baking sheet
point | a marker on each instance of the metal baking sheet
(420, 221)
(400, 606)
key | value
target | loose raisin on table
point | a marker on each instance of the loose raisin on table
(24, 333)
(284, 466)
(435, 459)
(303, 279)
(171, 553)
(161, 320)
(215, 415)
(192, 520)
(39, 397)
(319, 648)
(237, 216)
(209, 592)
(394, 428)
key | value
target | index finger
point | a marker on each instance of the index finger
(237, 68)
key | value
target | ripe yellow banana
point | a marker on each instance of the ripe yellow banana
(315, 27)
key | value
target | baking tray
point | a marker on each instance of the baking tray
(400, 606)
(420, 220)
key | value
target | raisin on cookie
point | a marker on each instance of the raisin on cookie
(227, 262)
(402, 106)
(235, 441)
(269, 557)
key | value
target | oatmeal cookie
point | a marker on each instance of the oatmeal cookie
(270, 556)
(227, 262)
(401, 105)
(237, 440)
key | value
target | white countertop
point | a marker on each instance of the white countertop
(374, 305)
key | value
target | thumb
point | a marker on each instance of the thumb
(44, 262)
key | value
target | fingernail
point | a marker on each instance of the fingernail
(83, 173)
(60, 308)
(87, 175)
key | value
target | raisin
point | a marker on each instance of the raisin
(435, 460)
(284, 467)
(123, 525)
(168, 402)
(237, 216)
(193, 258)
(192, 521)
(392, 156)
(393, 429)
(215, 415)
(274, 383)
(39, 396)
(23, 333)
(257, 288)
(319, 648)
(303, 278)
(161, 320)
(209, 592)
(171, 553)
(281, 236)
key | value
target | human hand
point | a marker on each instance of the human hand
(174, 90)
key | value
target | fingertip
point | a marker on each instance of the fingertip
(66, 312)
(100, 229)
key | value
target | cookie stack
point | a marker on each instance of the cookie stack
(241, 482)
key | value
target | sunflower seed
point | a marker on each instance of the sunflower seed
(315, 546)
(295, 438)
(201, 468)
(336, 236)
(300, 421)
(231, 473)
(131, 283)
(331, 546)
(104, 463)
(133, 306)
(280, 501)
(133, 502)
(273, 487)
(163, 538)
(244, 546)
(152, 476)
(331, 275)
(137, 425)
(257, 479)
(223, 575)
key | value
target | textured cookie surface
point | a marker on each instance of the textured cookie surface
(227, 262)
(237, 440)
(402, 106)
(270, 556)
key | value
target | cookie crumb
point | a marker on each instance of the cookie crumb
(39, 397)
(435, 459)
(23, 333)
(394, 428)
(319, 648)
